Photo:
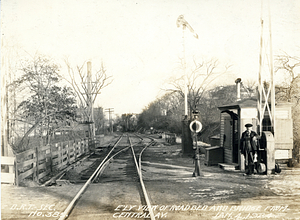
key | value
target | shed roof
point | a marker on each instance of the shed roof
(245, 103)
(251, 103)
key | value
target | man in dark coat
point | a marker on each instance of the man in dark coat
(249, 149)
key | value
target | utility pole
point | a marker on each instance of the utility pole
(88, 90)
(89, 97)
(110, 111)
(4, 111)
(8, 101)
(186, 134)
(182, 22)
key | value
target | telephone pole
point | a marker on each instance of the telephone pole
(89, 98)
(186, 134)
(110, 111)
(90, 86)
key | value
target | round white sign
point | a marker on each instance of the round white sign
(195, 126)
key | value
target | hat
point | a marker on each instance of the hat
(248, 125)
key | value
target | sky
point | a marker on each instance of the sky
(139, 42)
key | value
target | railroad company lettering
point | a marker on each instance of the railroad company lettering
(23, 207)
(44, 207)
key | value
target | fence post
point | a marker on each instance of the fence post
(56, 149)
(74, 150)
(36, 176)
(82, 143)
(87, 145)
(16, 173)
(68, 151)
(60, 153)
(51, 162)
(79, 146)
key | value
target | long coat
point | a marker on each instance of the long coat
(249, 146)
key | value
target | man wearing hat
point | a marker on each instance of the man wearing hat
(249, 148)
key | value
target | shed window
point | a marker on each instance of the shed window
(266, 123)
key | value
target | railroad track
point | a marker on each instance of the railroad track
(121, 164)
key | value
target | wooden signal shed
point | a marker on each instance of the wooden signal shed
(233, 118)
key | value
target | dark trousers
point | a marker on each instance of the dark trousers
(250, 169)
(249, 163)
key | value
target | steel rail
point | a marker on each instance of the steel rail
(152, 217)
(99, 172)
(107, 161)
(138, 136)
(67, 211)
(140, 156)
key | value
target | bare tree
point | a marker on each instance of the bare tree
(87, 87)
(289, 91)
(290, 67)
(199, 78)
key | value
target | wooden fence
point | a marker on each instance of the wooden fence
(37, 163)
(7, 169)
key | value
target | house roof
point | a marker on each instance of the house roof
(245, 103)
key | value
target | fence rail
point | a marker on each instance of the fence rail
(7, 169)
(37, 163)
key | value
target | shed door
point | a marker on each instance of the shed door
(227, 140)
(235, 143)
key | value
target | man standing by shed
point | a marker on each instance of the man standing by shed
(249, 149)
